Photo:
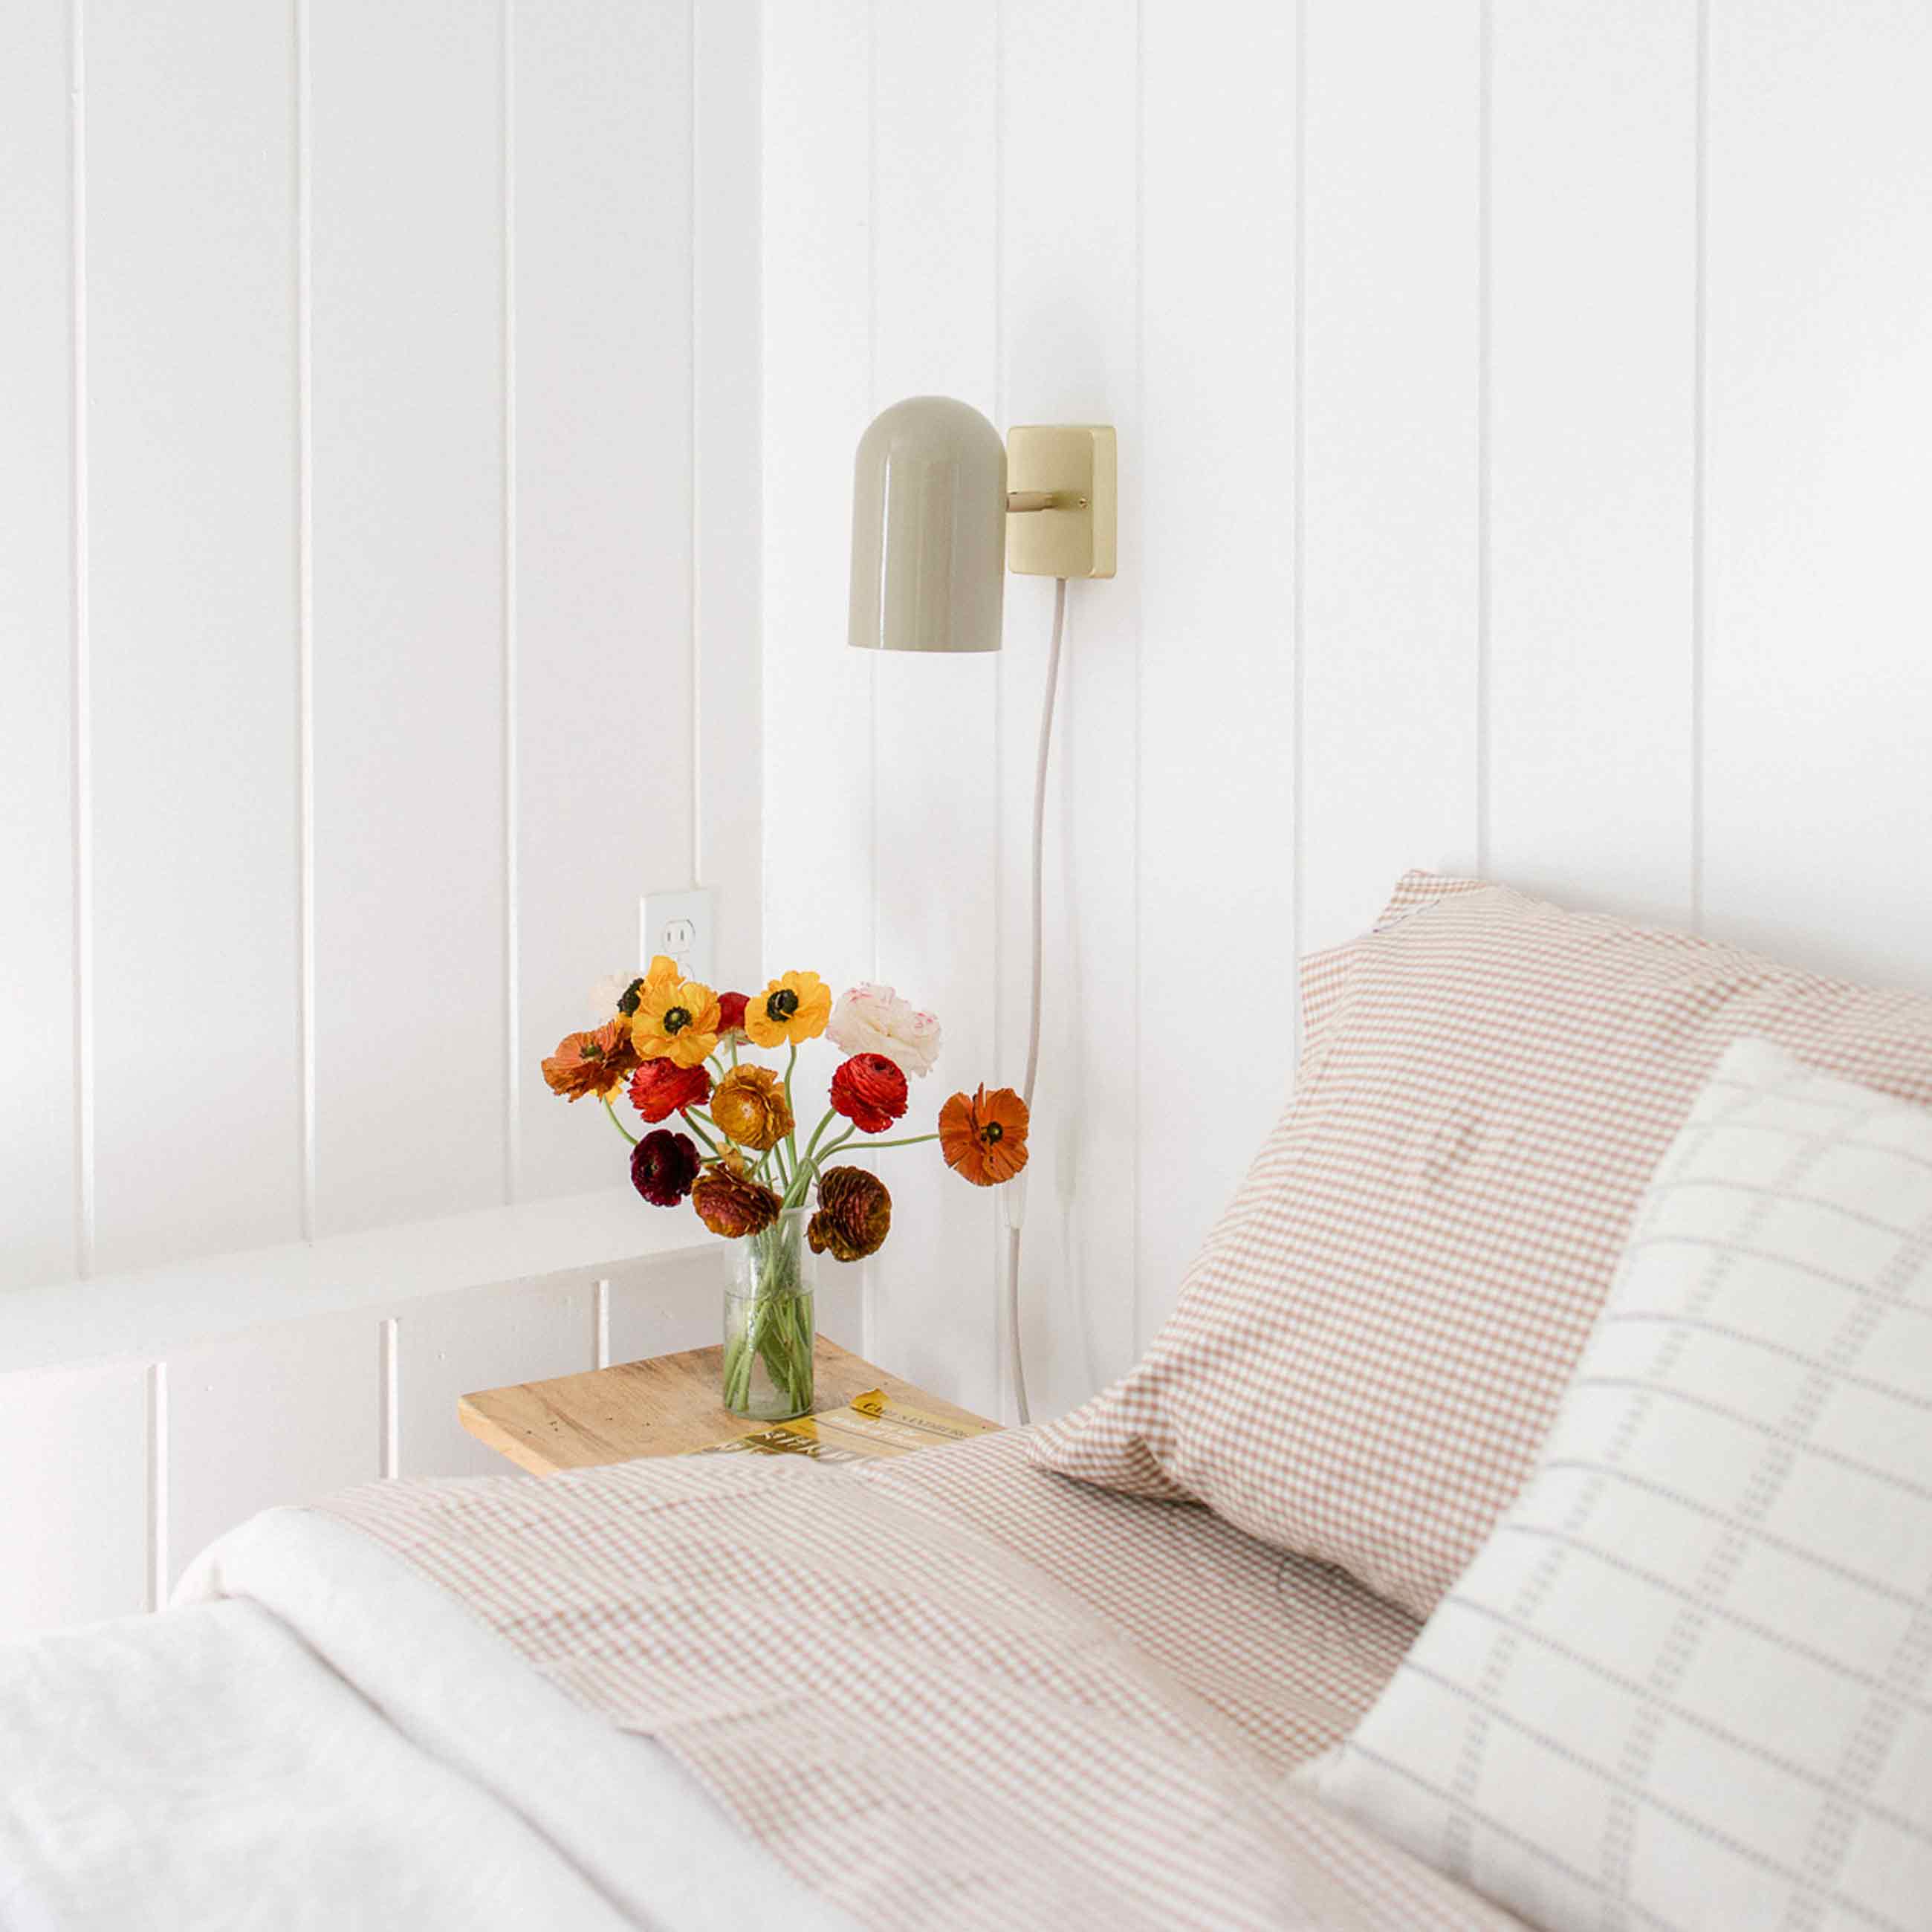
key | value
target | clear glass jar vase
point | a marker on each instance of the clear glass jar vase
(768, 1321)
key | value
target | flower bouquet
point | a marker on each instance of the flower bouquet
(673, 1047)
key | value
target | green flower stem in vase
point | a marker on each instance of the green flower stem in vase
(768, 1326)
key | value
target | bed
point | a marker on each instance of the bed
(937, 1686)
(1375, 1597)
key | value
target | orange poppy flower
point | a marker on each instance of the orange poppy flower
(984, 1139)
(591, 1063)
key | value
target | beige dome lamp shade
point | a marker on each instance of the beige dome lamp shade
(929, 530)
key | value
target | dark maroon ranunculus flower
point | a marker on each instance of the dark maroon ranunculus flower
(663, 1166)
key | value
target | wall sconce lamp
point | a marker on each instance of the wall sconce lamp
(941, 510)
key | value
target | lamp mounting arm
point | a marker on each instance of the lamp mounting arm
(1061, 497)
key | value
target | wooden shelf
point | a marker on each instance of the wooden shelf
(666, 1406)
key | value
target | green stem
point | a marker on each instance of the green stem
(811, 1145)
(791, 1138)
(909, 1140)
(685, 1114)
(617, 1124)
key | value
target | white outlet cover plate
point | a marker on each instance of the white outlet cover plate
(680, 924)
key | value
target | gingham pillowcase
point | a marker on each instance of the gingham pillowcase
(1367, 1351)
(1688, 1681)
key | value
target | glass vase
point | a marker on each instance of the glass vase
(768, 1321)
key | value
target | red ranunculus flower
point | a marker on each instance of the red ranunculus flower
(660, 1087)
(870, 1090)
(731, 1012)
(663, 1166)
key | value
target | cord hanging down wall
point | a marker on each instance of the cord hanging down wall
(942, 508)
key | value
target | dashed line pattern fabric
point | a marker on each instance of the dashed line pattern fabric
(1367, 1352)
(1687, 1681)
(953, 1690)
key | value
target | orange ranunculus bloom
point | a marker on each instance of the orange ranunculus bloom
(749, 1103)
(595, 1062)
(984, 1139)
(794, 1007)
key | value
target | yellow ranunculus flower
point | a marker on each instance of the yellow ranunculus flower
(795, 1007)
(676, 1019)
(749, 1103)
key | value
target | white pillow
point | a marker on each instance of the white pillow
(1687, 1680)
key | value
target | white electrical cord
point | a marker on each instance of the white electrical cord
(1014, 1193)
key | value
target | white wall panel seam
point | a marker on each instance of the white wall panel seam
(1297, 533)
(996, 1245)
(1137, 538)
(868, 1283)
(512, 666)
(304, 632)
(1700, 466)
(1485, 394)
(83, 693)
(693, 254)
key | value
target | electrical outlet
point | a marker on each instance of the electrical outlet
(679, 925)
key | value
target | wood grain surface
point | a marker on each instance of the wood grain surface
(665, 1406)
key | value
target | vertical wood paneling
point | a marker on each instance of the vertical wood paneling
(1592, 305)
(73, 1501)
(601, 215)
(451, 1344)
(1818, 674)
(408, 336)
(280, 1417)
(935, 321)
(663, 1307)
(192, 602)
(37, 963)
(1216, 772)
(728, 522)
(1070, 303)
(817, 334)
(1391, 364)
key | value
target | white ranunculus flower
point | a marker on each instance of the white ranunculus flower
(605, 994)
(874, 1019)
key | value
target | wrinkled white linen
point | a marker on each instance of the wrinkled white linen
(317, 1736)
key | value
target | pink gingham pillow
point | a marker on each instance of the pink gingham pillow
(1367, 1352)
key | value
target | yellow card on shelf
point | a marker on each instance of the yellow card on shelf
(869, 1425)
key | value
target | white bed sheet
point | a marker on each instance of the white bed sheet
(317, 1736)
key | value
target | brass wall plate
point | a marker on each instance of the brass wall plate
(1077, 464)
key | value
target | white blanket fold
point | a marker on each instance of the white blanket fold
(317, 1736)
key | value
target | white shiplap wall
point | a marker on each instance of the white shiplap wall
(358, 560)
(379, 471)
(1525, 438)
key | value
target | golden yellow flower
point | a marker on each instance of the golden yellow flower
(795, 1007)
(749, 1103)
(676, 1019)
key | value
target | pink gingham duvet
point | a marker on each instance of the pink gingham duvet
(955, 1688)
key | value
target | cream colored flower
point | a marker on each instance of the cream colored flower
(605, 994)
(874, 1019)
